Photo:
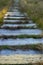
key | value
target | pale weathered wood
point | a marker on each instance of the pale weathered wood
(21, 59)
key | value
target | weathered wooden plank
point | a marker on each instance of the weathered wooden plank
(21, 59)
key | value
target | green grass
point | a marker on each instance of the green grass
(34, 9)
(29, 36)
(23, 47)
(4, 5)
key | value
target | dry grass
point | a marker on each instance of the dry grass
(4, 8)
(34, 9)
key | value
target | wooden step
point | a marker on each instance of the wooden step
(21, 59)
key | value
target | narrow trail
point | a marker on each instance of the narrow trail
(18, 29)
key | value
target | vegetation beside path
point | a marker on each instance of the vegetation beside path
(4, 6)
(34, 9)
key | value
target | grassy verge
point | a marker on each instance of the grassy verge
(34, 9)
(23, 47)
(4, 8)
